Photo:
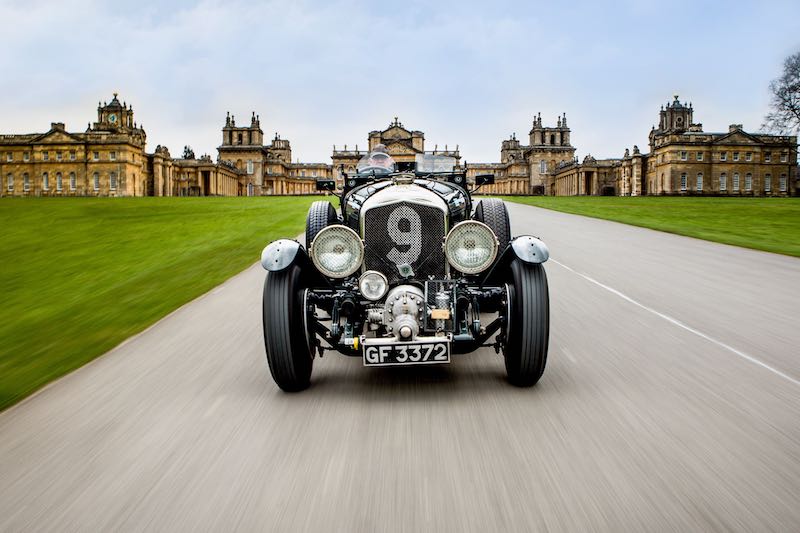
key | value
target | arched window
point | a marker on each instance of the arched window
(59, 181)
(748, 182)
(735, 181)
(96, 180)
(249, 189)
(72, 181)
(699, 182)
(10, 182)
(683, 181)
(45, 181)
(552, 139)
(782, 183)
(723, 182)
(26, 182)
(768, 183)
(113, 181)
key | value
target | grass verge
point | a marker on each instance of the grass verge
(768, 224)
(81, 275)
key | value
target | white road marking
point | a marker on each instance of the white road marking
(680, 324)
(568, 355)
(214, 406)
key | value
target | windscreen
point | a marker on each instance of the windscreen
(435, 163)
(377, 161)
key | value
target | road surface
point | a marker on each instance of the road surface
(671, 401)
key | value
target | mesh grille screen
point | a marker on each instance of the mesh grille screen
(404, 233)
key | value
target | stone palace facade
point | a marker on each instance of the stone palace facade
(110, 159)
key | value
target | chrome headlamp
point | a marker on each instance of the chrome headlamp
(373, 285)
(471, 247)
(337, 251)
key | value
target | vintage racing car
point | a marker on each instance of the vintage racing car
(409, 272)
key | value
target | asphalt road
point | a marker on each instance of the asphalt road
(671, 402)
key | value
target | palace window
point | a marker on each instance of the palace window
(748, 182)
(73, 184)
(72, 155)
(684, 155)
(59, 181)
(699, 156)
(58, 156)
(542, 167)
(96, 156)
(782, 183)
(768, 183)
(26, 182)
(45, 181)
(784, 157)
(96, 177)
(683, 181)
(735, 181)
(249, 166)
(699, 182)
(768, 157)
(26, 156)
(10, 156)
(45, 156)
(748, 156)
(10, 182)
(723, 182)
(723, 156)
(112, 156)
(735, 156)
(112, 180)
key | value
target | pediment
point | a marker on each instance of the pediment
(57, 137)
(737, 137)
(396, 132)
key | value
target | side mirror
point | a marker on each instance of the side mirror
(484, 179)
(326, 185)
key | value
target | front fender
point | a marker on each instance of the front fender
(526, 248)
(280, 254)
(530, 249)
(283, 253)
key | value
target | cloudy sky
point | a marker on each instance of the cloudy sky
(324, 73)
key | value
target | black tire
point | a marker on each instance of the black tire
(286, 336)
(320, 215)
(493, 213)
(528, 326)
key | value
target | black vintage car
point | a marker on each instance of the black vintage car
(408, 272)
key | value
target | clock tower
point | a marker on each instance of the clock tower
(114, 116)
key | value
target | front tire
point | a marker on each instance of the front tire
(528, 324)
(286, 337)
(321, 214)
(493, 213)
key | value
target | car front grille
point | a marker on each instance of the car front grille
(405, 233)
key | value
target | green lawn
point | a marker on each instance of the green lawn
(81, 275)
(769, 224)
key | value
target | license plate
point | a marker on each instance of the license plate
(387, 352)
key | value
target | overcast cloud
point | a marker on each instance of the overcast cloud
(324, 73)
